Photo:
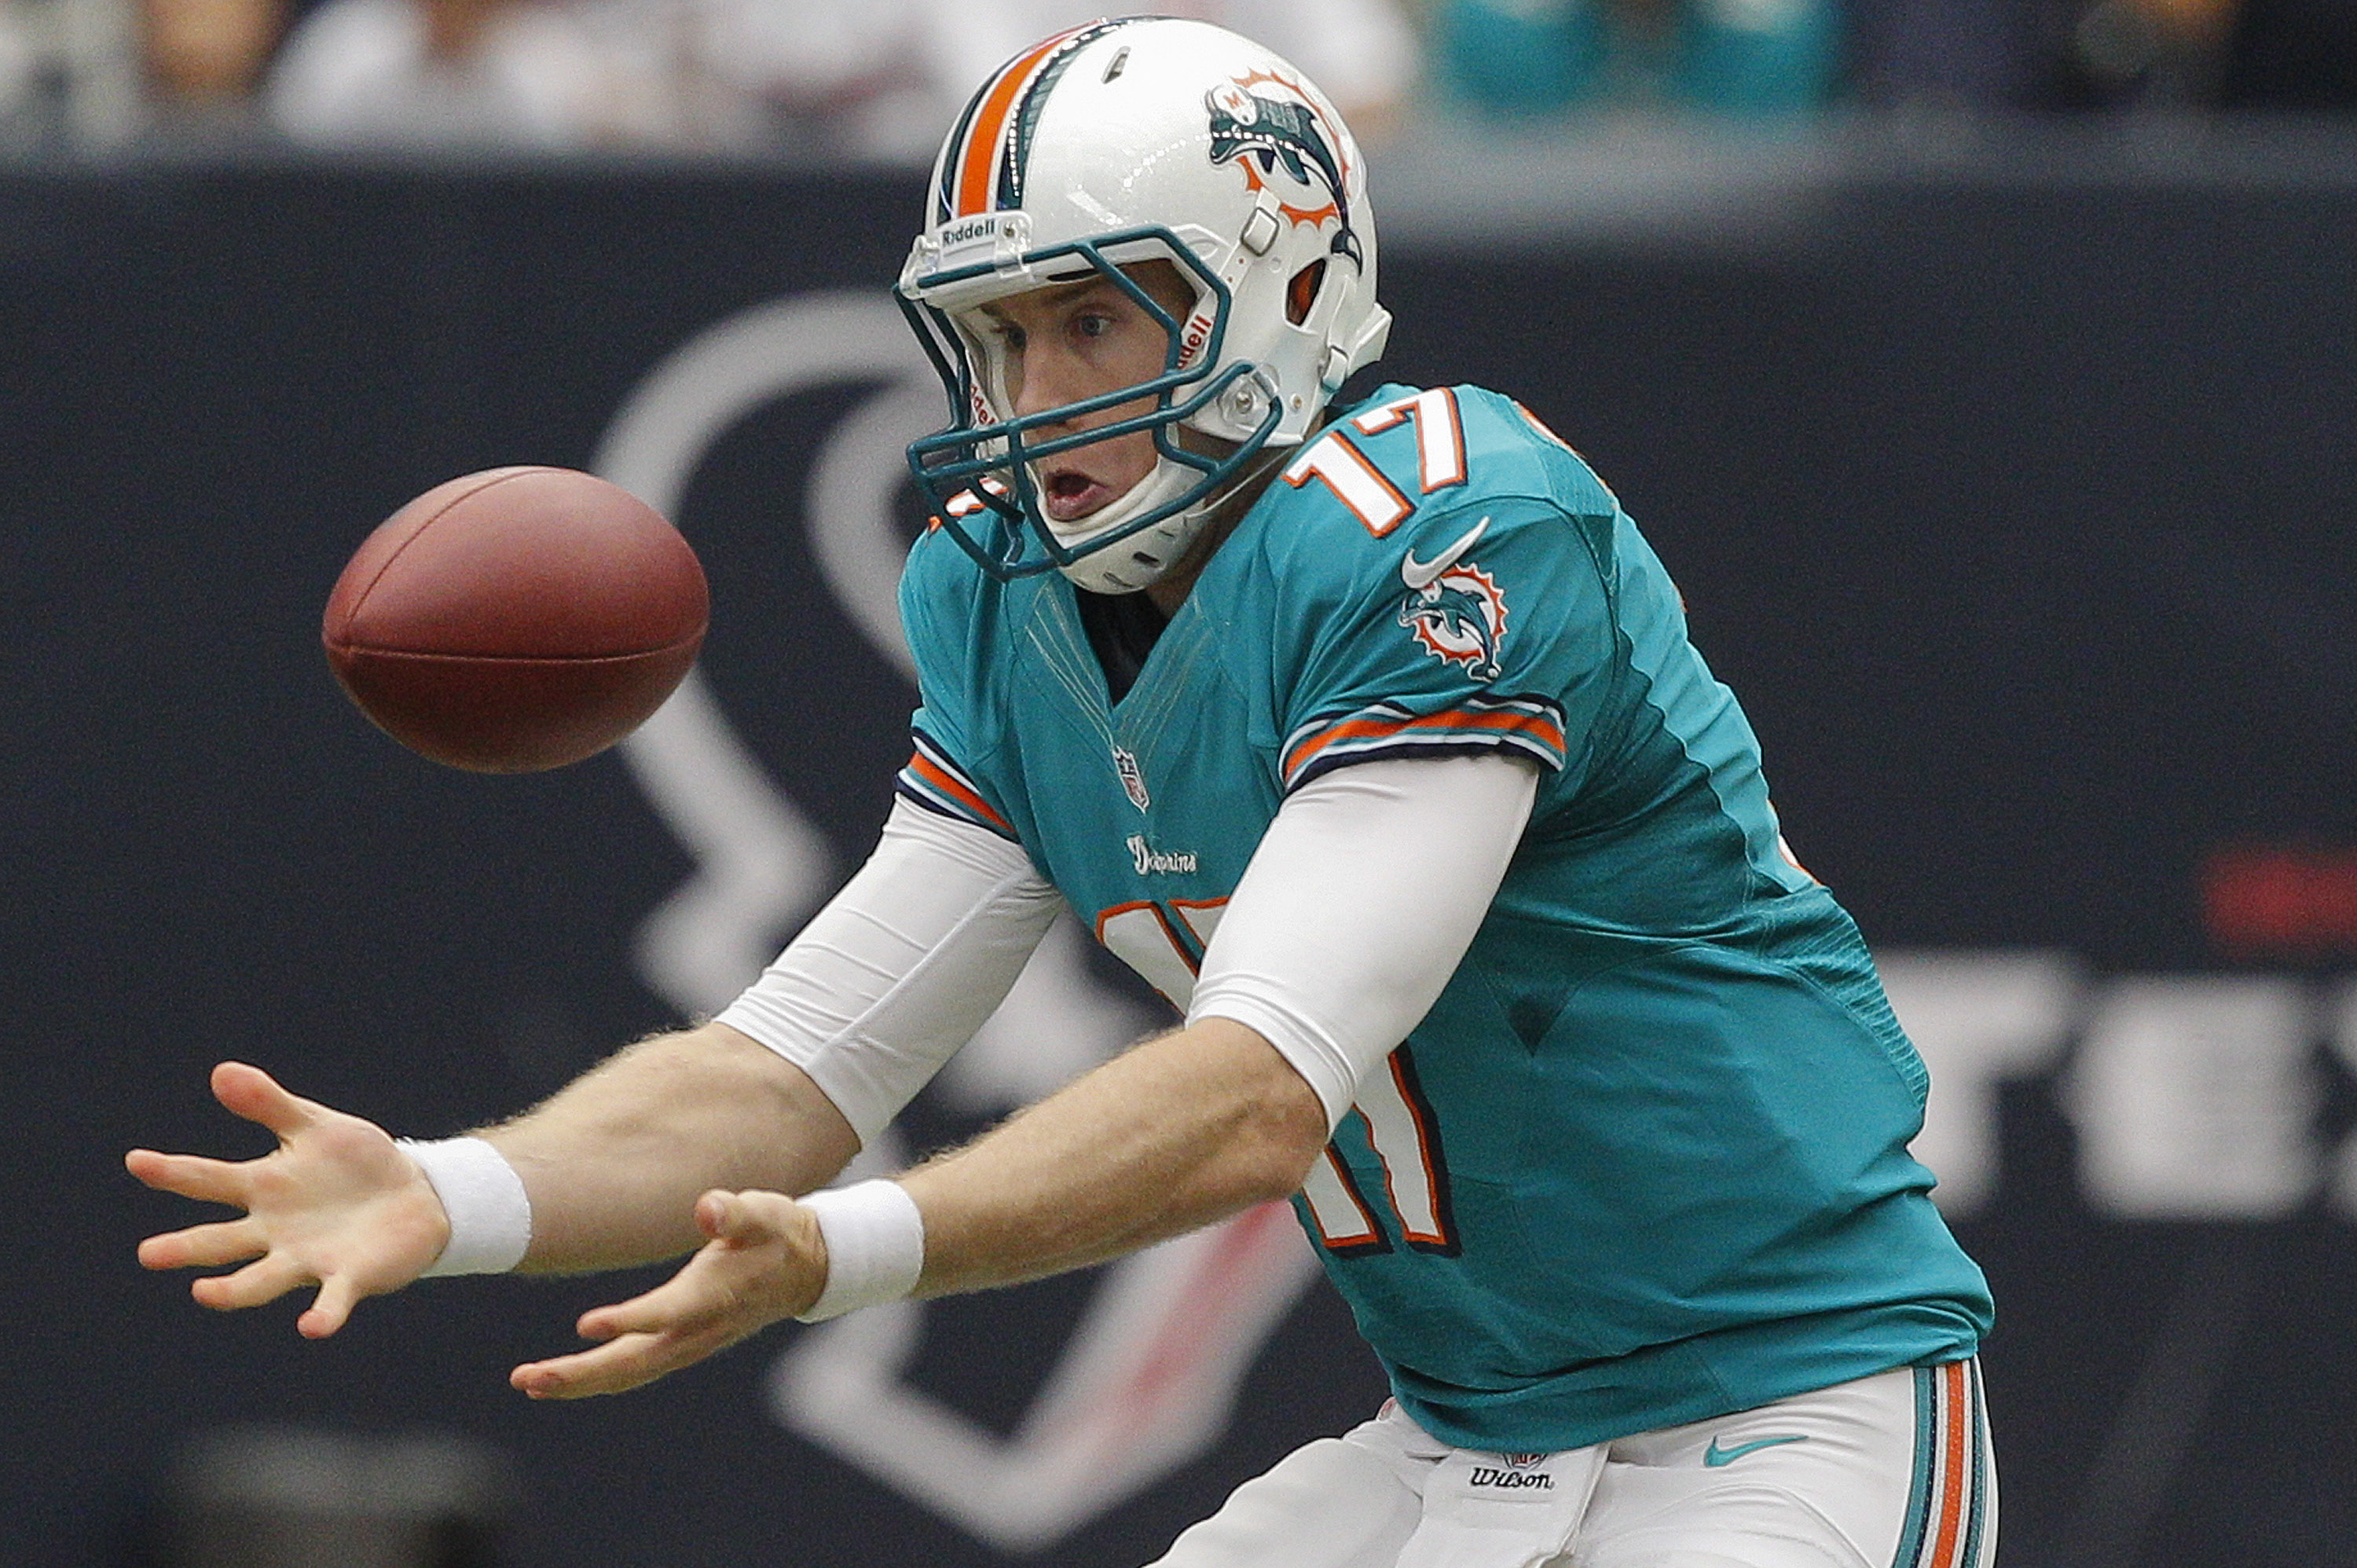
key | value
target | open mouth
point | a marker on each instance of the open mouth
(1067, 494)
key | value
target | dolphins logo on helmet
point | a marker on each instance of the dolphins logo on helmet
(1276, 132)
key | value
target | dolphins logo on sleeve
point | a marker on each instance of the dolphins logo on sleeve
(1458, 616)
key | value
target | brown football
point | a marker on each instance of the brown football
(517, 619)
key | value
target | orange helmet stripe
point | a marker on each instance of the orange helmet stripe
(991, 120)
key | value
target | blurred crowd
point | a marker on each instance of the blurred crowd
(881, 78)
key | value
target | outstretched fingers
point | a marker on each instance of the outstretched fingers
(723, 1285)
(675, 1324)
(189, 1175)
(331, 1308)
(744, 1279)
(337, 1203)
(618, 1365)
(682, 1305)
(204, 1246)
(255, 1095)
(265, 1279)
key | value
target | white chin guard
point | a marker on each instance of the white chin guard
(1128, 564)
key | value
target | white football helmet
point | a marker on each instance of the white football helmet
(1116, 142)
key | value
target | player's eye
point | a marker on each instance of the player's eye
(1093, 323)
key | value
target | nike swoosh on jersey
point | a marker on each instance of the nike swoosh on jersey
(1422, 575)
(1713, 1456)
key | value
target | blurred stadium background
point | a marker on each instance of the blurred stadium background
(1985, 372)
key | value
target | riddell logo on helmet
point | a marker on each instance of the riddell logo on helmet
(970, 230)
(998, 233)
(1192, 339)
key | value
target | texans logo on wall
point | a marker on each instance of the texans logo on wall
(1148, 1372)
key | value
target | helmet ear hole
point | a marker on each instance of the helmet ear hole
(1301, 293)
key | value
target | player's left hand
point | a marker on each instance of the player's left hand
(765, 1261)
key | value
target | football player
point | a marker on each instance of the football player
(1369, 732)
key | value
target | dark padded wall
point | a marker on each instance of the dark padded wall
(2018, 514)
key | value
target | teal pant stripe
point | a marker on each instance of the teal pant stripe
(1919, 1497)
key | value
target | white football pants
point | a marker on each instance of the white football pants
(1891, 1471)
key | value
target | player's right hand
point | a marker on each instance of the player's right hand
(337, 1204)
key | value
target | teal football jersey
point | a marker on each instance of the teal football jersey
(1645, 1160)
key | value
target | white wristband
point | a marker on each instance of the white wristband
(875, 1246)
(491, 1214)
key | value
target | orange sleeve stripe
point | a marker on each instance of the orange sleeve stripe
(1537, 726)
(956, 788)
(990, 122)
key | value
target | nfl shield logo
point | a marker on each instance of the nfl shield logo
(1132, 780)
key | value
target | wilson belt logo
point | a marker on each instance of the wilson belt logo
(1513, 1473)
(1151, 862)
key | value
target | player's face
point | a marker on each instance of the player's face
(1069, 341)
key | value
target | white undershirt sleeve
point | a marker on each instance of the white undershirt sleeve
(1358, 907)
(903, 965)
